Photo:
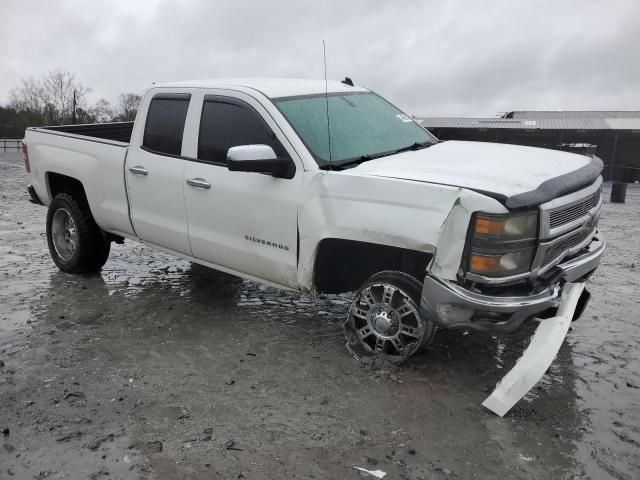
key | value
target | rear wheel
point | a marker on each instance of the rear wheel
(384, 318)
(76, 243)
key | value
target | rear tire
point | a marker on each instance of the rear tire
(76, 243)
(384, 318)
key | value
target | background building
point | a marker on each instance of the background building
(614, 136)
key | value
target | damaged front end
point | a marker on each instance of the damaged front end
(502, 310)
(519, 266)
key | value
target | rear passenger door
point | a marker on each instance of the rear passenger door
(246, 222)
(154, 173)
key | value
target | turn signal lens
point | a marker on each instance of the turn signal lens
(484, 264)
(489, 227)
(506, 264)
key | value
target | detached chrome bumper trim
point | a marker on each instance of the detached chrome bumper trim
(538, 356)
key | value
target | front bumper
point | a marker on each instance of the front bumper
(453, 306)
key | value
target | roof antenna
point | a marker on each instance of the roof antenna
(326, 97)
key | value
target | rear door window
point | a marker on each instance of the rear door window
(226, 123)
(165, 123)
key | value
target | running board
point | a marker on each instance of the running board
(538, 356)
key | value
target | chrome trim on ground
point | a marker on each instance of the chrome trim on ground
(538, 356)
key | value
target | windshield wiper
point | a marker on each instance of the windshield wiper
(414, 146)
(355, 161)
(365, 158)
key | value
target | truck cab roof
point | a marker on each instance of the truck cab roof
(270, 87)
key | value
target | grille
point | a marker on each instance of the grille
(564, 215)
(561, 247)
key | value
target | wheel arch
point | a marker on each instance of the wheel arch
(60, 183)
(342, 265)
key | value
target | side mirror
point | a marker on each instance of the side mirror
(259, 159)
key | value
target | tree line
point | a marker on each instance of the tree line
(59, 98)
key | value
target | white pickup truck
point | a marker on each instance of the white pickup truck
(325, 186)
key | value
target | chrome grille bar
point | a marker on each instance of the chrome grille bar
(557, 249)
(562, 216)
(567, 224)
(572, 211)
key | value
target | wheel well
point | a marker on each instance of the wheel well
(59, 183)
(344, 265)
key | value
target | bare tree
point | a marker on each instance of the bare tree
(55, 95)
(59, 98)
(28, 96)
(102, 111)
(128, 106)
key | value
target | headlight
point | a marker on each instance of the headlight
(502, 245)
(492, 265)
(508, 227)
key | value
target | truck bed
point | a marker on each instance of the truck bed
(92, 154)
(116, 131)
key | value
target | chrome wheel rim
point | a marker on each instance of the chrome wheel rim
(384, 320)
(64, 234)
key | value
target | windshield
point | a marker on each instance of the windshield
(363, 126)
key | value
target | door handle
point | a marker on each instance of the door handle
(198, 183)
(138, 170)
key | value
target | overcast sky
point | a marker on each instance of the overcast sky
(461, 58)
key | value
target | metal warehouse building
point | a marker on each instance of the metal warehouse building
(614, 136)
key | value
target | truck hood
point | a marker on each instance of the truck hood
(516, 175)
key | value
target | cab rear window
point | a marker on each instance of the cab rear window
(165, 123)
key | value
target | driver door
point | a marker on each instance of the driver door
(244, 222)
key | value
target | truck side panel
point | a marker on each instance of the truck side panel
(410, 215)
(98, 165)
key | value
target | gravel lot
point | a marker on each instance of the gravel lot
(160, 369)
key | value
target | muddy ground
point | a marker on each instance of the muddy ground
(159, 369)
